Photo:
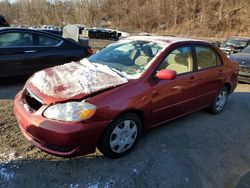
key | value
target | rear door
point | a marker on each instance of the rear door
(47, 52)
(51, 51)
(173, 98)
(16, 49)
(209, 76)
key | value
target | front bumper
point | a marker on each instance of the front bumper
(244, 74)
(65, 139)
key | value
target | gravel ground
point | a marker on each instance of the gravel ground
(198, 150)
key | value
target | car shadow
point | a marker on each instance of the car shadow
(9, 88)
(197, 150)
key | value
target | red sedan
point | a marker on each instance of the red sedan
(108, 100)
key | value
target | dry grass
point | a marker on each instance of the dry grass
(194, 18)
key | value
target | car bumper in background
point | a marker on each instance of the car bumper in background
(65, 139)
(244, 74)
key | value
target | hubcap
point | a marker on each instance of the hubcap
(221, 100)
(123, 136)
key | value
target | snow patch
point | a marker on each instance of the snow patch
(72, 79)
(135, 171)
(93, 185)
(8, 157)
(6, 174)
(73, 185)
(161, 40)
(101, 184)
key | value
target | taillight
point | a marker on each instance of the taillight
(90, 51)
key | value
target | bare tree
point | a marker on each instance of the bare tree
(187, 17)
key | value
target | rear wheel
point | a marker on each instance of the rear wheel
(121, 136)
(219, 101)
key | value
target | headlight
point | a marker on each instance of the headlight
(71, 111)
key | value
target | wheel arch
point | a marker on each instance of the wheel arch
(137, 112)
(228, 86)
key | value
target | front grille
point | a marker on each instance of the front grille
(64, 149)
(245, 69)
(32, 101)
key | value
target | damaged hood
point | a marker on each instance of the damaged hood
(72, 81)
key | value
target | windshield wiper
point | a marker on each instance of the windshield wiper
(110, 68)
(118, 72)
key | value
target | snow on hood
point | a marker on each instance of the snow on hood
(71, 79)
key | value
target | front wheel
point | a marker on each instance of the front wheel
(121, 136)
(219, 101)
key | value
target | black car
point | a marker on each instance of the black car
(234, 44)
(25, 51)
(52, 31)
(243, 58)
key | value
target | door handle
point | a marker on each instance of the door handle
(220, 72)
(178, 87)
(192, 80)
(30, 51)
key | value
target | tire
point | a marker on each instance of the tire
(219, 101)
(121, 136)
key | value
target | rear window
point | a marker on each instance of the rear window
(206, 57)
(47, 41)
(246, 50)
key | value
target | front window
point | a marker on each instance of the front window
(16, 39)
(206, 57)
(246, 50)
(128, 57)
(179, 60)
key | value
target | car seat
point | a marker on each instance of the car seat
(205, 60)
(25, 41)
(146, 55)
(180, 64)
(134, 54)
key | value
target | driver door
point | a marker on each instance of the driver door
(173, 98)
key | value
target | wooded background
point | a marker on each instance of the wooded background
(206, 18)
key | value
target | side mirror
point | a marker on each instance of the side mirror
(166, 74)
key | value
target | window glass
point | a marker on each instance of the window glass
(236, 42)
(206, 57)
(179, 60)
(246, 50)
(131, 58)
(47, 41)
(15, 39)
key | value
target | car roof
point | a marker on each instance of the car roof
(167, 40)
(29, 30)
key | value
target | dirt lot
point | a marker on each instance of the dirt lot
(198, 150)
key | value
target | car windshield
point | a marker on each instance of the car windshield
(246, 50)
(128, 57)
(236, 42)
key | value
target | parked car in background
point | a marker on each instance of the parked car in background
(3, 22)
(216, 43)
(25, 51)
(234, 44)
(243, 58)
(110, 98)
